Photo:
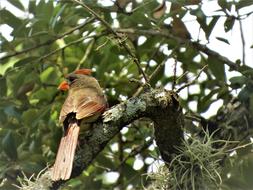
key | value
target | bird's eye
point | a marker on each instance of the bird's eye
(71, 79)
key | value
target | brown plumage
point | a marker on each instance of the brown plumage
(84, 104)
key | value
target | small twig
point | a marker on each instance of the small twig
(102, 45)
(120, 181)
(244, 136)
(67, 45)
(158, 68)
(181, 76)
(244, 15)
(136, 81)
(86, 54)
(109, 28)
(239, 147)
(59, 49)
(192, 118)
(241, 17)
(48, 42)
(106, 24)
(242, 38)
(174, 73)
(191, 82)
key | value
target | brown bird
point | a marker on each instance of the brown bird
(84, 104)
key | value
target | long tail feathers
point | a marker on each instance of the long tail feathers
(65, 156)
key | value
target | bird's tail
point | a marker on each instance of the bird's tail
(65, 156)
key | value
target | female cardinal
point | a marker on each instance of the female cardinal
(84, 104)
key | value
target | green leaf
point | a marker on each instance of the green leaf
(44, 10)
(49, 76)
(43, 94)
(31, 167)
(3, 117)
(75, 183)
(17, 4)
(243, 3)
(223, 40)
(21, 31)
(25, 88)
(29, 116)
(201, 18)
(246, 71)
(7, 17)
(17, 78)
(105, 161)
(12, 111)
(223, 92)
(24, 61)
(222, 3)
(128, 170)
(32, 7)
(229, 23)
(58, 14)
(238, 82)
(251, 103)
(3, 85)
(205, 102)
(9, 146)
(245, 93)
(211, 25)
(217, 68)
(138, 18)
(225, 4)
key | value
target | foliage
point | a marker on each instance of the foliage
(195, 167)
(54, 38)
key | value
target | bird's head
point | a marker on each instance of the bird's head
(72, 77)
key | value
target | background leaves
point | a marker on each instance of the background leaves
(45, 47)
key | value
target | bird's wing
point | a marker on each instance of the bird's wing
(89, 107)
(67, 108)
(84, 104)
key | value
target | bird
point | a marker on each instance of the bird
(84, 104)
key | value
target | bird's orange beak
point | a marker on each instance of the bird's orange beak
(83, 71)
(64, 86)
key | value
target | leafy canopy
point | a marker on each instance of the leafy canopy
(57, 37)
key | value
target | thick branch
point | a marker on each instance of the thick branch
(159, 105)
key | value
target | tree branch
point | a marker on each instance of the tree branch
(193, 81)
(65, 46)
(121, 40)
(48, 42)
(196, 45)
(157, 69)
(159, 105)
(242, 37)
(86, 54)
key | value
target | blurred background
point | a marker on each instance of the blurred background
(43, 40)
